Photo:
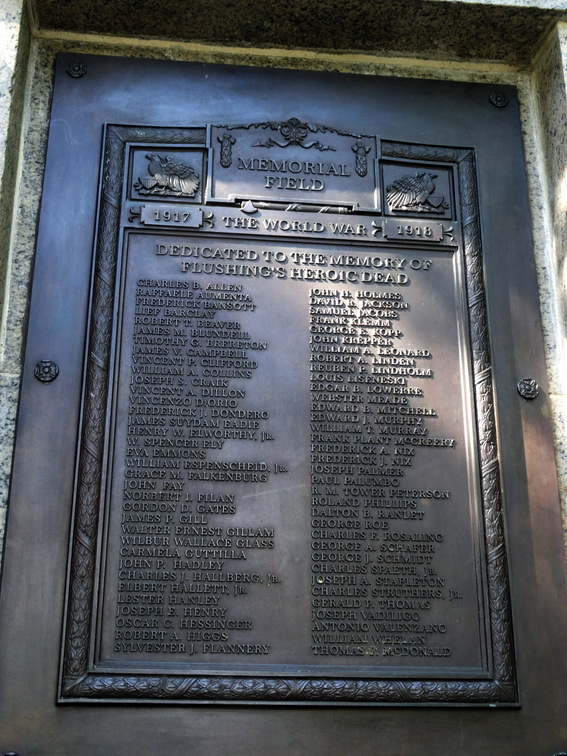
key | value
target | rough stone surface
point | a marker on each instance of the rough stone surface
(26, 213)
(444, 30)
(542, 101)
(549, 199)
(10, 21)
(14, 42)
(559, 411)
(9, 387)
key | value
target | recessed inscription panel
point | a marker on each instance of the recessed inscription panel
(293, 476)
(289, 406)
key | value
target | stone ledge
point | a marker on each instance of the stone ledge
(426, 28)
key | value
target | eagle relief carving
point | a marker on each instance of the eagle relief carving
(168, 176)
(415, 192)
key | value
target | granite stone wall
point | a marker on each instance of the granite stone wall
(14, 281)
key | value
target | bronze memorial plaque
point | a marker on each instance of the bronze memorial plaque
(298, 449)
(288, 460)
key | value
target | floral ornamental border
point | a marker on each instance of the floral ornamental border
(81, 683)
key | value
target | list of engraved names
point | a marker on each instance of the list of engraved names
(294, 476)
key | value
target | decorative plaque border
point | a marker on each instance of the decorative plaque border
(80, 682)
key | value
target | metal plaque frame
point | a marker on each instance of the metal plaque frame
(80, 680)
